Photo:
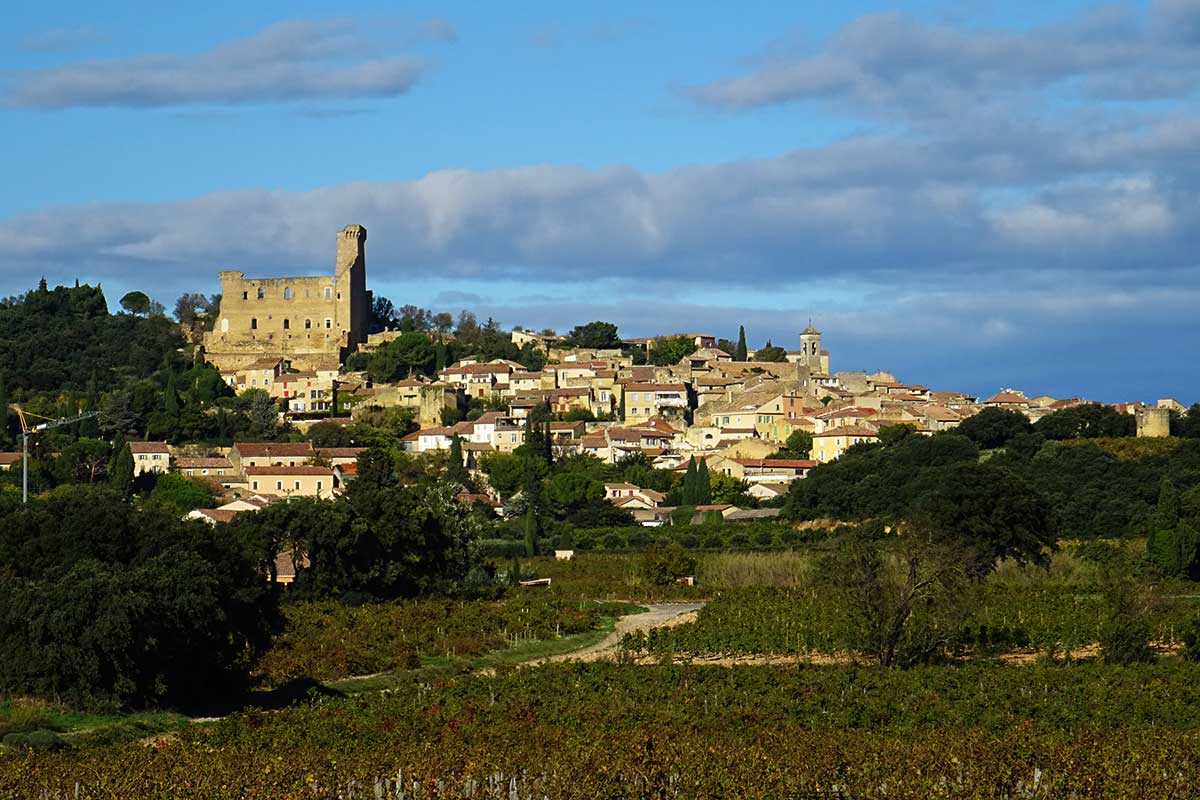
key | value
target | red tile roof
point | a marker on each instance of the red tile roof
(274, 449)
(288, 471)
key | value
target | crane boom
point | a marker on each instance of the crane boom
(27, 430)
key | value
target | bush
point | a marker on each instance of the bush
(664, 565)
(1126, 641)
(35, 740)
(613, 541)
(1191, 640)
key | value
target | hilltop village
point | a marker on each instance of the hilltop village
(763, 416)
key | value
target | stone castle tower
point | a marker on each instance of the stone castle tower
(313, 321)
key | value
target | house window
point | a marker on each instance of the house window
(297, 486)
(279, 486)
(254, 323)
(254, 485)
(318, 486)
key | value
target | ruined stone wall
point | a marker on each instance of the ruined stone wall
(314, 321)
(1153, 422)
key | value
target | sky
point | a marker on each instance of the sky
(970, 195)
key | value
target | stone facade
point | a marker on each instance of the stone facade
(1153, 422)
(312, 321)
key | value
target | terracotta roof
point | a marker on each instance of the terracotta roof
(274, 449)
(622, 486)
(348, 469)
(656, 387)
(288, 471)
(149, 447)
(853, 411)
(218, 514)
(435, 432)
(848, 430)
(341, 452)
(782, 463)
(203, 463)
(1007, 397)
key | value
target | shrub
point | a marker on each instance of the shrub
(613, 541)
(1126, 641)
(664, 565)
(35, 740)
(1191, 640)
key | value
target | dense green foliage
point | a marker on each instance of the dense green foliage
(670, 350)
(593, 335)
(102, 603)
(1087, 421)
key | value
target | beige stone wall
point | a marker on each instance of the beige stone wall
(1153, 422)
(312, 320)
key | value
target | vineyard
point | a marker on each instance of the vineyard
(591, 731)
(328, 641)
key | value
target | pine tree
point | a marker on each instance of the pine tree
(455, 471)
(741, 353)
(703, 484)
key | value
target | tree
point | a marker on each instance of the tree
(899, 601)
(1174, 541)
(4, 413)
(506, 472)
(180, 493)
(798, 445)
(136, 303)
(383, 314)
(987, 511)
(894, 434)
(993, 427)
(621, 408)
(703, 490)
(596, 335)
(105, 603)
(770, 352)
(190, 306)
(171, 398)
(120, 471)
(83, 461)
(688, 489)
(407, 353)
(456, 471)
(741, 354)
(1087, 421)
(671, 350)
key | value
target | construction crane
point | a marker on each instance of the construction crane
(27, 430)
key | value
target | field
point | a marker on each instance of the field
(451, 713)
(607, 730)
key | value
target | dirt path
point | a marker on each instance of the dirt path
(660, 615)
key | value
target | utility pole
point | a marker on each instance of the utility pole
(27, 431)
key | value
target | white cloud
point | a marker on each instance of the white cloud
(287, 61)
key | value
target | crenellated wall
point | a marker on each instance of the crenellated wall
(315, 320)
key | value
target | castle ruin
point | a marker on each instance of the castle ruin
(313, 321)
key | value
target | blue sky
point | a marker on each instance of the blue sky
(971, 195)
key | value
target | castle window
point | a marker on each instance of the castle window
(339, 295)
(287, 293)
(287, 323)
(307, 324)
(328, 323)
(260, 293)
(328, 292)
(254, 323)
(225, 325)
(245, 295)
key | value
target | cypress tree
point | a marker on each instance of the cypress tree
(548, 440)
(3, 410)
(530, 532)
(171, 398)
(621, 407)
(455, 471)
(440, 355)
(688, 494)
(703, 484)
(740, 355)
(121, 470)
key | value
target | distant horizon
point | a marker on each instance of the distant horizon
(970, 196)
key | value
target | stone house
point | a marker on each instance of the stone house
(150, 457)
